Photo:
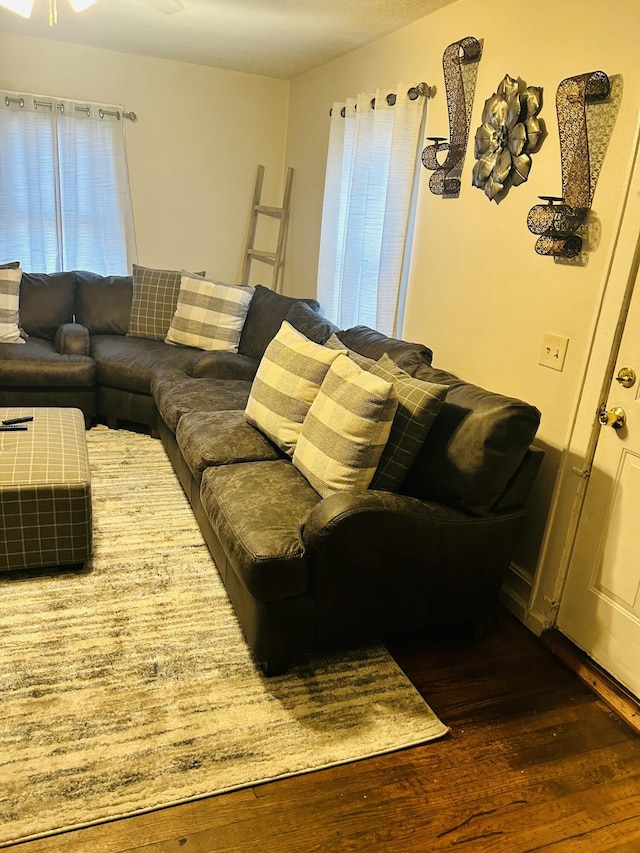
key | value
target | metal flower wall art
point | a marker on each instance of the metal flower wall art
(509, 134)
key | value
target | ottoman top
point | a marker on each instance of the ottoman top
(52, 450)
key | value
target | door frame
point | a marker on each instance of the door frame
(578, 455)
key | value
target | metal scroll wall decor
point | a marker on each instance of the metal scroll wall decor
(460, 55)
(509, 134)
(558, 221)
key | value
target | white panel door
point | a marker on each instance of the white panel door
(600, 605)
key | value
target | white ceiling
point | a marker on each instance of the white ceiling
(275, 38)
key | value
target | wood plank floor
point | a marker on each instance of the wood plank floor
(534, 761)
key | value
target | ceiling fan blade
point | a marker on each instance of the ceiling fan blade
(20, 7)
(166, 6)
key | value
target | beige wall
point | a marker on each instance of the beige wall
(478, 293)
(193, 153)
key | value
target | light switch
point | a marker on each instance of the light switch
(554, 351)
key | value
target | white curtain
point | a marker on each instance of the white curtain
(371, 167)
(65, 201)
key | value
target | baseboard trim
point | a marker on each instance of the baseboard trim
(624, 704)
(516, 592)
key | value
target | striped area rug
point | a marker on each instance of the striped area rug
(128, 686)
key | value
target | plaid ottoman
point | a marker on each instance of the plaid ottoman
(45, 490)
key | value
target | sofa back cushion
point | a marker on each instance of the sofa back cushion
(311, 323)
(266, 312)
(103, 302)
(474, 446)
(46, 302)
(373, 344)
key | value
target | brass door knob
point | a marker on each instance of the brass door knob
(615, 417)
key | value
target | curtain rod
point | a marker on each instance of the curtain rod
(413, 94)
(85, 108)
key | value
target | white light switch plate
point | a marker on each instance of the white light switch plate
(554, 351)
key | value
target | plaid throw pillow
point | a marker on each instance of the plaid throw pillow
(286, 384)
(9, 304)
(418, 404)
(209, 314)
(362, 361)
(346, 429)
(155, 297)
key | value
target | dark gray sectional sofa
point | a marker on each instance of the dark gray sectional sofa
(304, 572)
(78, 353)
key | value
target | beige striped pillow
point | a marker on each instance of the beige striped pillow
(287, 382)
(346, 429)
(209, 314)
(9, 305)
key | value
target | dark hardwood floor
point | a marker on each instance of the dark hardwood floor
(534, 761)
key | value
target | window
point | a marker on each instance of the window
(371, 168)
(64, 188)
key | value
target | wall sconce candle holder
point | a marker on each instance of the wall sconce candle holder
(445, 180)
(557, 222)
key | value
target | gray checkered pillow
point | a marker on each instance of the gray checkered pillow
(418, 404)
(210, 314)
(362, 361)
(155, 298)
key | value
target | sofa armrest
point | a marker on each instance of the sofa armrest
(72, 339)
(389, 563)
(217, 364)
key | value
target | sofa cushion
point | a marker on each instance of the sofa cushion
(373, 344)
(256, 510)
(346, 429)
(46, 302)
(38, 364)
(418, 404)
(10, 265)
(103, 302)
(223, 365)
(265, 315)
(474, 447)
(286, 384)
(155, 296)
(175, 394)
(209, 314)
(9, 304)
(312, 324)
(129, 363)
(220, 438)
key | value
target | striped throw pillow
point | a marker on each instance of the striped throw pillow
(346, 429)
(209, 314)
(418, 404)
(287, 382)
(9, 305)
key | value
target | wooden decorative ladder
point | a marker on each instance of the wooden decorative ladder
(276, 259)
